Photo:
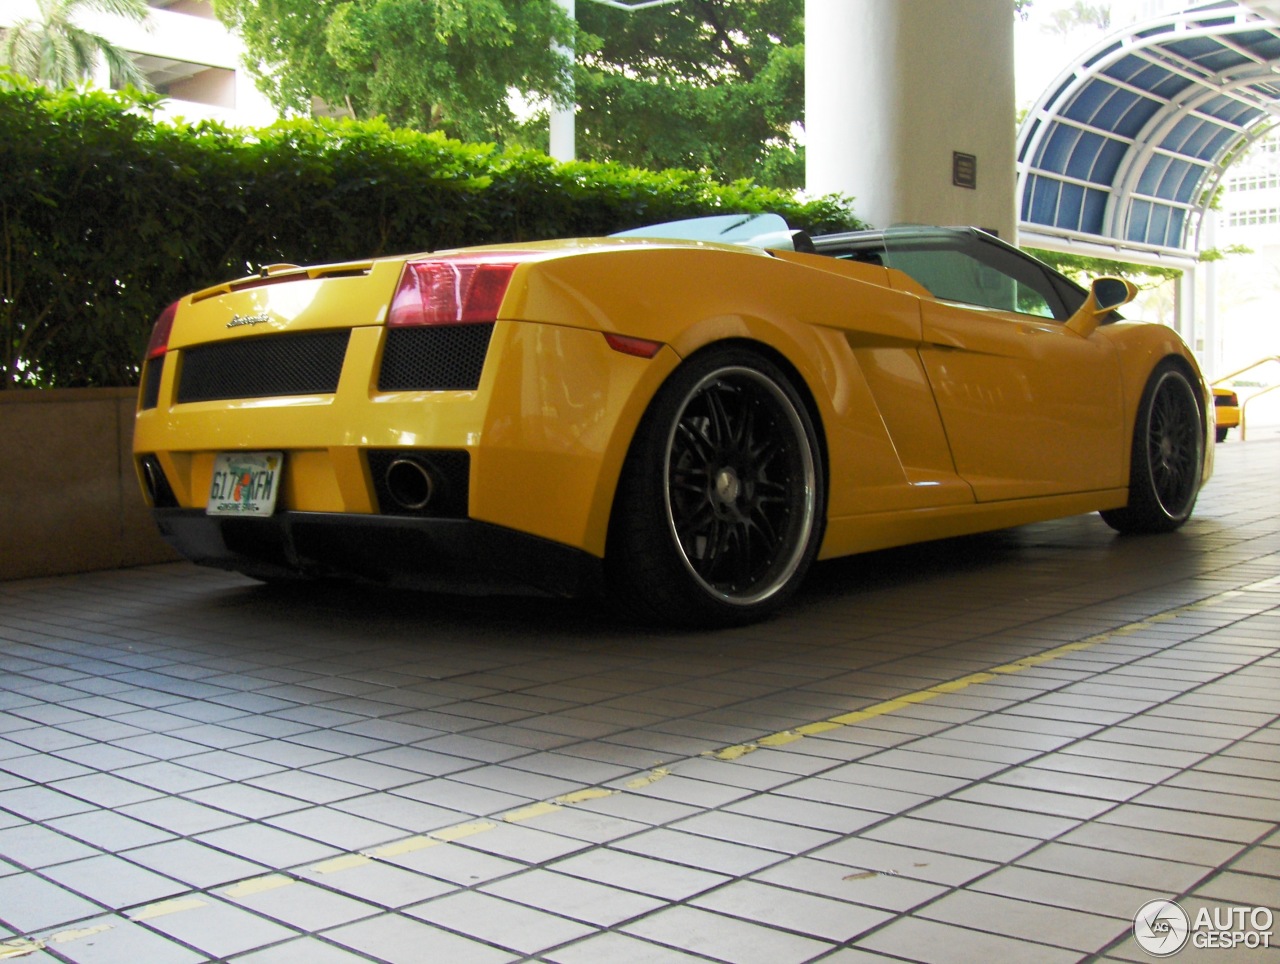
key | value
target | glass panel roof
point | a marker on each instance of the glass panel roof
(1129, 143)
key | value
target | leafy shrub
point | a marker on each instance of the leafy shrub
(106, 215)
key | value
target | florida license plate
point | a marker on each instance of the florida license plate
(245, 483)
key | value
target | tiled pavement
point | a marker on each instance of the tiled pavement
(988, 749)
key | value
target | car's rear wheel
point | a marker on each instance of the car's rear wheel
(1167, 456)
(720, 507)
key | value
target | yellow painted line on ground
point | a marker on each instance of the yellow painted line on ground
(653, 776)
(66, 937)
(786, 737)
(166, 907)
(258, 885)
(21, 947)
(531, 811)
(581, 796)
(406, 846)
(345, 862)
(461, 830)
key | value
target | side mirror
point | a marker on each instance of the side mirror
(1105, 296)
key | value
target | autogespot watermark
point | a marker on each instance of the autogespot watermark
(1162, 928)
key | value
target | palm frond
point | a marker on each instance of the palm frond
(135, 10)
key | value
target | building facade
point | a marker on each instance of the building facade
(186, 53)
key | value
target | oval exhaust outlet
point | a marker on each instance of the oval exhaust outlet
(410, 484)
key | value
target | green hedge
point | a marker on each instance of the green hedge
(106, 216)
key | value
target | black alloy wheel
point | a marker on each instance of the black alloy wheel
(720, 510)
(1167, 456)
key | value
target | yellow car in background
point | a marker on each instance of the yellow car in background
(681, 418)
(1226, 407)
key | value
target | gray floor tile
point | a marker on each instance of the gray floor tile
(219, 929)
(496, 921)
(572, 897)
(923, 940)
(167, 750)
(29, 903)
(724, 938)
(298, 904)
(644, 875)
(276, 848)
(379, 883)
(193, 863)
(114, 882)
(781, 907)
(405, 940)
(117, 940)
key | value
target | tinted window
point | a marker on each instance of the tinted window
(962, 267)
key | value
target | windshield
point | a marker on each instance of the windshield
(754, 230)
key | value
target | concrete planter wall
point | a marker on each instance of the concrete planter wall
(69, 498)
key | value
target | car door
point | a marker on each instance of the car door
(1029, 407)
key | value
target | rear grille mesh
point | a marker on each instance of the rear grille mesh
(309, 363)
(434, 358)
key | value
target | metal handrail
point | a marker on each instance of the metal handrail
(1245, 404)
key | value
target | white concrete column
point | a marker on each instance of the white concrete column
(564, 145)
(898, 92)
(1210, 331)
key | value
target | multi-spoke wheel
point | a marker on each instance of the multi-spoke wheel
(719, 510)
(1167, 456)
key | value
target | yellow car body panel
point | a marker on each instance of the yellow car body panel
(1226, 410)
(933, 418)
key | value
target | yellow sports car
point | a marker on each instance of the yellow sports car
(1226, 406)
(680, 418)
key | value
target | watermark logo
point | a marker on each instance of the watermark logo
(1162, 928)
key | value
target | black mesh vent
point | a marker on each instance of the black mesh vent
(151, 373)
(303, 364)
(450, 473)
(434, 358)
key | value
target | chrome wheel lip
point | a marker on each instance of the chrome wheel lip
(728, 479)
(1174, 446)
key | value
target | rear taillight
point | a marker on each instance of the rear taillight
(453, 290)
(159, 343)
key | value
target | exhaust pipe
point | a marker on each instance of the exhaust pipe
(410, 484)
(150, 480)
(156, 484)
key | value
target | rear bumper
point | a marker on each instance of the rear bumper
(453, 555)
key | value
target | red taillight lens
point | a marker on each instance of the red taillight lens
(628, 345)
(451, 291)
(159, 343)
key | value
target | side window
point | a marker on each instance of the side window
(975, 273)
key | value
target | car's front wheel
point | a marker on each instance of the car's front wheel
(1167, 456)
(720, 507)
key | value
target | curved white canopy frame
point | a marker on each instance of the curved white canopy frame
(1126, 149)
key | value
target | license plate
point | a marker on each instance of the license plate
(245, 483)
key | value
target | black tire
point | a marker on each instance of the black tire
(1220, 434)
(722, 501)
(1167, 456)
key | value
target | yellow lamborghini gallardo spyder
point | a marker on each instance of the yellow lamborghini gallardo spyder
(681, 418)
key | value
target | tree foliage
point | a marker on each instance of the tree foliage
(52, 48)
(106, 216)
(1083, 268)
(444, 65)
(1065, 21)
(715, 84)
